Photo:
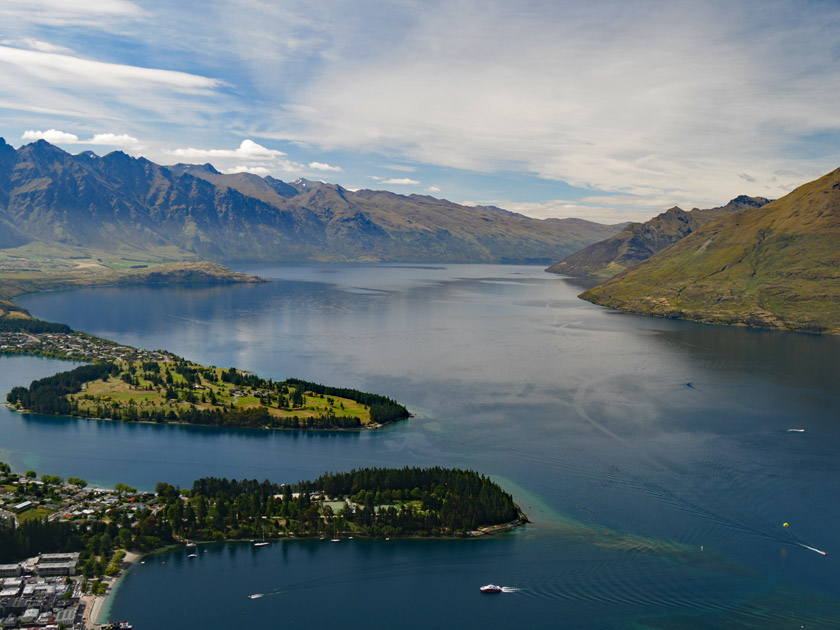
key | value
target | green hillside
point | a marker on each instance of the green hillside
(776, 266)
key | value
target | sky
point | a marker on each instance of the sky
(604, 110)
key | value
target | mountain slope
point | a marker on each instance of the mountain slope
(777, 266)
(640, 241)
(127, 205)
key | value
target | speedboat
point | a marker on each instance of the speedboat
(490, 588)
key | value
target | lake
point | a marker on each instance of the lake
(653, 456)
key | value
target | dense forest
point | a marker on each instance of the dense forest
(373, 502)
(49, 395)
(33, 326)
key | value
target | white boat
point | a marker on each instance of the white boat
(193, 555)
(261, 544)
(490, 588)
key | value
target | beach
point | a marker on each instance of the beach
(99, 606)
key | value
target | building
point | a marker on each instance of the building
(10, 570)
(52, 564)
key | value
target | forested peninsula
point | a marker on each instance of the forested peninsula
(179, 391)
(371, 502)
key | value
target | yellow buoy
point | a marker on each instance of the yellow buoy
(784, 525)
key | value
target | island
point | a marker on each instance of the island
(175, 390)
(67, 544)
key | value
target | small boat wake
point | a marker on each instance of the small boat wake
(255, 596)
(796, 430)
(822, 553)
(492, 588)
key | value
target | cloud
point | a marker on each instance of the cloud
(319, 166)
(72, 13)
(433, 189)
(401, 181)
(248, 149)
(51, 135)
(747, 177)
(262, 171)
(35, 44)
(400, 167)
(64, 69)
(636, 104)
(112, 139)
(55, 136)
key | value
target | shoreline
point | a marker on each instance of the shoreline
(361, 429)
(98, 607)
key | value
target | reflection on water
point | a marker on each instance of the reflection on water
(653, 455)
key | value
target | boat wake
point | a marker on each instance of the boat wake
(255, 596)
(510, 589)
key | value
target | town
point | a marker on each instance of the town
(65, 589)
(76, 346)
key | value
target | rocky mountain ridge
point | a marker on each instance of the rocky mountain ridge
(640, 241)
(118, 203)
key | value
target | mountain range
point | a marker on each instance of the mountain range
(640, 241)
(774, 266)
(131, 206)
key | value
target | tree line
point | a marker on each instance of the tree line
(383, 502)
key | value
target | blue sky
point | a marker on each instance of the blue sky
(608, 111)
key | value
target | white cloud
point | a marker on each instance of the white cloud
(100, 139)
(51, 135)
(401, 181)
(262, 171)
(433, 189)
(248, 149)
(400, 167)
(320, 166)
(68, 12)
(64, 69)
(112, 139)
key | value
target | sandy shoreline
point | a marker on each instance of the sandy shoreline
(96, 604)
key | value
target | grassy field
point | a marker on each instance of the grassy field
(146, 396)
(36, 267)
(35, 514)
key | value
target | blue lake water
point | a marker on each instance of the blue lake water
(631, 442)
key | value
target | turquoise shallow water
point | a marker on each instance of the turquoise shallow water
(655, 437)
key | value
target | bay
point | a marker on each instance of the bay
(631, 442)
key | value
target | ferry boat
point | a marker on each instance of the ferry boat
(490, 588)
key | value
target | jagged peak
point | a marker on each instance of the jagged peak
(41, 146)
(746, 200)
(117, 155)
